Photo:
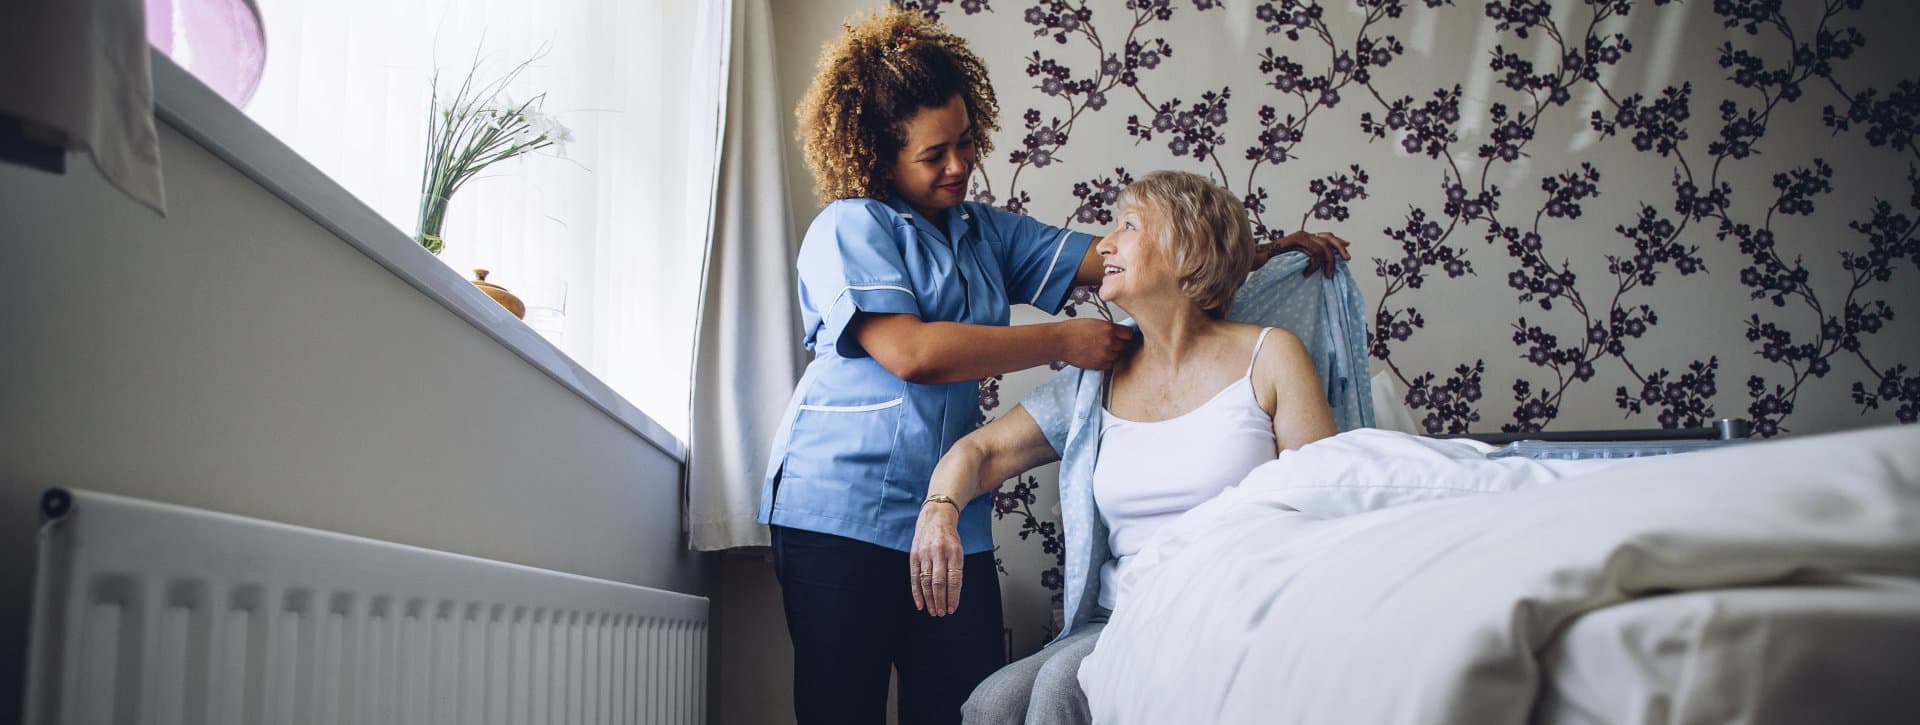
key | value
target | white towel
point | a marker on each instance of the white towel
(79, 72)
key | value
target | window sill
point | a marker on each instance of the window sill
(199, 113)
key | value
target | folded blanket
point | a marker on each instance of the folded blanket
(1289, 599)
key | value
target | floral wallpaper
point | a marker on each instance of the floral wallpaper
(1565, 213)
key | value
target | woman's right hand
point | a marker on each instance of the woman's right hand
(936, 558)
(1094, 344)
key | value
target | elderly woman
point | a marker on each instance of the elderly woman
(1198, 405)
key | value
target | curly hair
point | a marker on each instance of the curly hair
(886, 67)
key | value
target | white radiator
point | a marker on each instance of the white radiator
(152, 614)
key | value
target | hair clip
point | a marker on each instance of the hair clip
(901, 39)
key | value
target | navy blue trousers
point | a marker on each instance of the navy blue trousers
(850, 613)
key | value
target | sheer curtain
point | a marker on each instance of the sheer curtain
(605, 244)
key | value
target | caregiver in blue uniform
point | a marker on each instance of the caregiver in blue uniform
(905, 290)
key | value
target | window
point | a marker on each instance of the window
(604, 245)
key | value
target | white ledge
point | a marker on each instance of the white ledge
(183, 102)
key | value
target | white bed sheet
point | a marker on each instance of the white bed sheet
(1814, 652)
(1326, 589)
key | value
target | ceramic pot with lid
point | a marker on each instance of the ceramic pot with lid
(499, 294)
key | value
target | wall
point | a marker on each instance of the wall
(1565, 216)
(235, 356)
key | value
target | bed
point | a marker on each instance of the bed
(1378, 577)
(1839, 649)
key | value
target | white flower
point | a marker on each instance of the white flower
(540, 126)
(557, 132)
(530, 128)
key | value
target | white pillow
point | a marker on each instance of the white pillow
(1352, 473)
(1368, 469)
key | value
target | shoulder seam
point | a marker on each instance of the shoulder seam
(1059, 247)
(873, 207)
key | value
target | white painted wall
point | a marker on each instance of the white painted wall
(236, 356)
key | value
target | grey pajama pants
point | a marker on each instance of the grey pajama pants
(1040, 689)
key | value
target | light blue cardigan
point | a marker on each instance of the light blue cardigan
(1327, 315)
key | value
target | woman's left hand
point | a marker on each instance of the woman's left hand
(1322, 249)
(935, 560)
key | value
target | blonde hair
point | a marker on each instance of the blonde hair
(886, 67)
(1201, 229)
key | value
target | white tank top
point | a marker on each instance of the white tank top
(1149, 473)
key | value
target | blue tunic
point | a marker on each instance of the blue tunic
(857, 444)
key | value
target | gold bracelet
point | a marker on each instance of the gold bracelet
(941, 498)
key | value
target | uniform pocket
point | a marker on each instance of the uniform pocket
(847, 443)
(852, 408)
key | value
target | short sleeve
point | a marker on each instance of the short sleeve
(1051, 406)
(1041, 259)
(850, 262)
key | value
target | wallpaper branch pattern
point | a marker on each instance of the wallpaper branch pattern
(1738, 176)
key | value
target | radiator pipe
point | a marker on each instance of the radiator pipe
(55, 504)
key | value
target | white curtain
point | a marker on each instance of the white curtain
(603, 245)
(77, 77)
(749, 354)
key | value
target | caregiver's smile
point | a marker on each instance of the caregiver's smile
(936, 158)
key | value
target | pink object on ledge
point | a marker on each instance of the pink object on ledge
(221, 42)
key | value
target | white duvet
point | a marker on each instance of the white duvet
(1819, 650)
(1376, 577)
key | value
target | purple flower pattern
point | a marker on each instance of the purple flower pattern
(1113, 69)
